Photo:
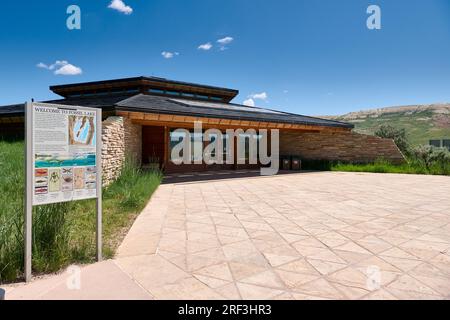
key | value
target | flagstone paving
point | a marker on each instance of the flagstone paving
(301, 236)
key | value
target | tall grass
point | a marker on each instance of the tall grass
(382, 166)
(64, 233)
(11, 207)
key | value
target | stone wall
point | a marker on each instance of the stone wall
(120, 139)
(341, 146)
(133, 140)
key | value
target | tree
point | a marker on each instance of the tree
(398, 135)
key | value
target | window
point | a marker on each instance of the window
(196, 144)
(202, 97)
(90, 94)
(105, 93)
(446, 144)
(173, 93)
(156, 91)
(216, 98)
(189, 95)
(435, 143)
(244, 144)
(212, 138)
(176, 138)
(226, 142)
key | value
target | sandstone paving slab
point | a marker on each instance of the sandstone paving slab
(100, 281)
(319, 235)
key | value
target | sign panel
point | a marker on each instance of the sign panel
(64, 153)
(63, 150)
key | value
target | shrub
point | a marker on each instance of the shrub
(432, 158)
(398, 135)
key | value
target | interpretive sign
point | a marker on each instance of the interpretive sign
(64, 154)
(63, 161)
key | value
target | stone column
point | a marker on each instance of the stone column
(121, 140)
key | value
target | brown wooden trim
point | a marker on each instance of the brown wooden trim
(12, 120)
(189, 125)
(136, 116)
(176, 121)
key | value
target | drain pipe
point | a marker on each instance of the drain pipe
(2, 294)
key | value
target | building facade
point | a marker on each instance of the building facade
(140, 115)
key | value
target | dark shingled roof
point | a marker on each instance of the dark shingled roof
(12, 110)
(178, 106)
(154, 79)
(103, 102)
(156, 104)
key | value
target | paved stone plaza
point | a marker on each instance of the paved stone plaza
(325, 235)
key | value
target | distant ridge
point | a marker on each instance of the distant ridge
(422, 122)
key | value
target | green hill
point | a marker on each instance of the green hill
(422, 122)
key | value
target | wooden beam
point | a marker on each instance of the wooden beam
(136, 116)
(166, 117)
(188, 122)
(123, 114)
(179, 118)
(150, 116)
(166, 145)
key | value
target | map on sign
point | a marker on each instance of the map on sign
(81, 130)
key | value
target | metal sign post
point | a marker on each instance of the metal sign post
(99, 241)
(60, 147)
(28, 189)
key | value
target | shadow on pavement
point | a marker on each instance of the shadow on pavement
(217, 175)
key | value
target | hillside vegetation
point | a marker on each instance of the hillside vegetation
(421, 122)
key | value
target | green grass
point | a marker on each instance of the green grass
(381, 166)
(64, 233)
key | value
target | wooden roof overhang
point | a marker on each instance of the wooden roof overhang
(12, 119)
(181, 121)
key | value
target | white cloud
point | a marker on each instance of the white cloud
(120, 6)
(169, 55)
(225, 41)
(61, 67)
(69, 70)
(205, 46)
(256, 96)
(42, 65)
(58, 63)
(285, 91)
(259, 96)
(249, 102)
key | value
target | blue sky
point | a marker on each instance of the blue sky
(312, 57)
